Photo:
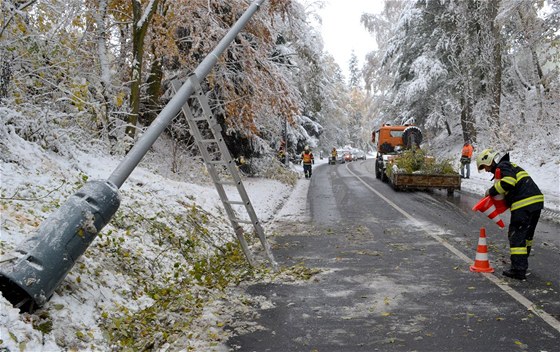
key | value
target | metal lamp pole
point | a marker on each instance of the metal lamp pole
(286, 156)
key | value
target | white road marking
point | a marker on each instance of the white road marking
(550, 320)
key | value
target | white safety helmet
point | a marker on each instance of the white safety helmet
(485, 158)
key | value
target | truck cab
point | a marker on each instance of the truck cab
(390, 140)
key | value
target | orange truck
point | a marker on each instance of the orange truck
(391, 140)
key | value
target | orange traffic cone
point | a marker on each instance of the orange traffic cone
(481, 263)
(492, 207)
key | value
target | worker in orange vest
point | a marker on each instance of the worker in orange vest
(466, 155)
(307, 160)
(334, 154)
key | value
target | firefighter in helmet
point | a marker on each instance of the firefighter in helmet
(525, 201)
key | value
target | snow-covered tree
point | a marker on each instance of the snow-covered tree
(335, 117)
(355, 76)
(377, 77)
(112, 61)
(452, 63)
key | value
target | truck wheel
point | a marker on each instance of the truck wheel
(412, 135)
(386, 148)
(384, 177)
(377, 171)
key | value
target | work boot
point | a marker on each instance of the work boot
(515, 274)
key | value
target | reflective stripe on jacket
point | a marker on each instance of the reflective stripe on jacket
(517, 186)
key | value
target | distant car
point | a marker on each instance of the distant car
(340, 156)
(360, 154)
(348, 156)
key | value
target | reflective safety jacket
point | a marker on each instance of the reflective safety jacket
(467, 151)
(517, 186)
(307, 158)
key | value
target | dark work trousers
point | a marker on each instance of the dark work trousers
(520, 235)
(307, 170)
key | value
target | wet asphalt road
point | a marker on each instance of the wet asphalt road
(394, 275)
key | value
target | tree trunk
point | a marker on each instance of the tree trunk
(446, 123)
(5, 75)
(448, 128)
(540, 86)
(105, 69)
(467, 118)
(497, 55)
(538, 70)
(154, 89)
(136, 76)
(139, 31)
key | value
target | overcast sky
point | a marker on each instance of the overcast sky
(342, 31)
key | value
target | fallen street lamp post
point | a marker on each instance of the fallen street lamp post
(45, 259)
(41, 263)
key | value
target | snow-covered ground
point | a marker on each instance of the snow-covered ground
(35, 181)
